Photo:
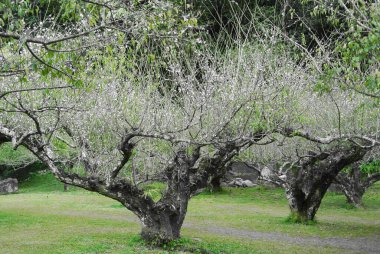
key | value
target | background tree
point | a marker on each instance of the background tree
(333, 131)
(307, 179)
(355, 180)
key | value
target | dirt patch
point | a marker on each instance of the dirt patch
(254, 209)
(359, 245)
(351, 219)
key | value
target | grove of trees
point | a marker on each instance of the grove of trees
(112, 94)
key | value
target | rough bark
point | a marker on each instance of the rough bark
(164, 221)
(355, 183)
(351, 185)
(307, 184)
(185, 177)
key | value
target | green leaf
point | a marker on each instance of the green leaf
(23, 79)
(45, 71)
(5, 67)
(78, 83)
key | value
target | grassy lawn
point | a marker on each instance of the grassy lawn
(41, 218)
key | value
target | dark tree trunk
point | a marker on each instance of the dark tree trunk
(351, 185)
(307, 185)
(65, 187)
(163, 223)
(161, 227)
(354, 198)
(302, 207)
(355, 183)
(215, 184)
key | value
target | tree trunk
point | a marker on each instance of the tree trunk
(354, 198)
(308, 184)
(163, 227)
(352, 188)
(304, 207)
(215, 184)
(163, 222)
(355, 184)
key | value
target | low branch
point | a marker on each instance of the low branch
(371, 180)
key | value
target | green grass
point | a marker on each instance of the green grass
(42, 218)
(43, 182)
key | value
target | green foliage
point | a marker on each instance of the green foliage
(357, 55)
(224, 18)
(154, 190)
(371, 167)
(31, 18)
(42, 182)
(62, 149)
(19, 157)
(307, 22)
(367, 168)
(16, 15)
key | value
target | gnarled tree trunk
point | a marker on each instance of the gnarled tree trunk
(307, 184)
(162, 226)
(355, 183)
(163, 223)
(303, 209)
(161, 220)
(351, 185)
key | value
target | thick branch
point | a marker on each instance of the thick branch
(120, 190)
(126, 148)
(371, 180)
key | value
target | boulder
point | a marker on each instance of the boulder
(241, 170)
(8, 185)
(248, 183)
(238, 182)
